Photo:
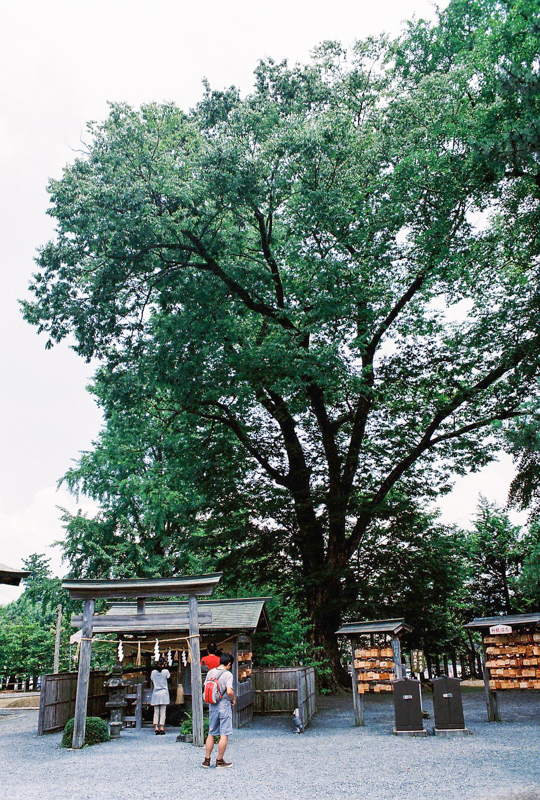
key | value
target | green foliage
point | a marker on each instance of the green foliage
(186, 726)
(288, 643)
(25, 646)
(97, 731)
(523, 441)
(529, 582)
(416, 568)
(502, 560)
(28, 625)
(312, 305)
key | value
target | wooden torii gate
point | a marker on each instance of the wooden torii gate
(141, 589)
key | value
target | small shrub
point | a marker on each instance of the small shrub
(187, 726)
(97, 730)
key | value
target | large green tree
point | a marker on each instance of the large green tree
(333, 281)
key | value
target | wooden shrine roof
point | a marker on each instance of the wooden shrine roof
(234, 615)
(512, 620)
(11, 576)
(143, 587)
(394, 626)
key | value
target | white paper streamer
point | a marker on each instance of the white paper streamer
(169, 657)
(120, 652)
(156, 650)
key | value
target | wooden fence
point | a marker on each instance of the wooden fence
(243, 710)
(307, 695)
(57, 699)
(279, 690)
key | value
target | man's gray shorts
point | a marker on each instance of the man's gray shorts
(220, 718)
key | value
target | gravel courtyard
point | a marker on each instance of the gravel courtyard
(332, 759)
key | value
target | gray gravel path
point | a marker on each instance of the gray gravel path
(332, 759)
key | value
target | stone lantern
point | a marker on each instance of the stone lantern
(116, 686)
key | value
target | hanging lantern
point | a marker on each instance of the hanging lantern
(120, 652)
(169, 657)
(156, 650)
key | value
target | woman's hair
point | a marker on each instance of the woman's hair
(212, 649)
(160, 663)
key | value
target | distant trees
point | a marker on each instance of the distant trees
(27, 626)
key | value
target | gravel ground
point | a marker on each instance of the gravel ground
(332, 759)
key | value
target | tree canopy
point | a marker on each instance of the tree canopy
(311, 305)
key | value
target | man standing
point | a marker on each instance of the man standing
(211, 659)
(221, 712)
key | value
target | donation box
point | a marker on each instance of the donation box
(447, 704)
(408, 706)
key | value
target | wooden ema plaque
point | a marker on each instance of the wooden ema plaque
(375, 668)
(244, 664)
(513, 660)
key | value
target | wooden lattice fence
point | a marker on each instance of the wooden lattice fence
(57, 699)
(279, 690)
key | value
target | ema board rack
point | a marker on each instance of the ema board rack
(244, 664)
(375, 669)
(513, 660)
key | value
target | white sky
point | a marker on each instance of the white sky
(60, 62)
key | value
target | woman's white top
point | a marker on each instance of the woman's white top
(160, 693)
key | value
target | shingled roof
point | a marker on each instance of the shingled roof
(392, 626)
(11, 576)
(239, 614)
(515, 619)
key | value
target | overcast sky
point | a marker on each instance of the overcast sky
(61, 61)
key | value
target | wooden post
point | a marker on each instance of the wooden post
(56, 661)
(235, 681)
(138, 707)
(358, 699)
(301, 695)
(396, 649)
(492, 702)
(196, 679)
(81, 701)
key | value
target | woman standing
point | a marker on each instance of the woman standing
(160, 695)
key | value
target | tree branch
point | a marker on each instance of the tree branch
(230, 421)
(268, 257)
(255, 305)
(426, 442)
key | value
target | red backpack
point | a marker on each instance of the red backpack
(212, 691)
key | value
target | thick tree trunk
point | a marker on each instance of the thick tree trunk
(324, 605)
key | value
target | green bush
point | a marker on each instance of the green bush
(97, 730)
(187, 725)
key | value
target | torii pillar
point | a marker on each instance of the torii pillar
(81, 701)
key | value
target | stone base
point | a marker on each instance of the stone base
(185, 737)
(410, 733)
(451, 732)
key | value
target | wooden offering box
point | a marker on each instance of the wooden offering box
(375, 669)
(513, 660)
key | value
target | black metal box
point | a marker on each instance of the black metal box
(408, 706)
(447, 704)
